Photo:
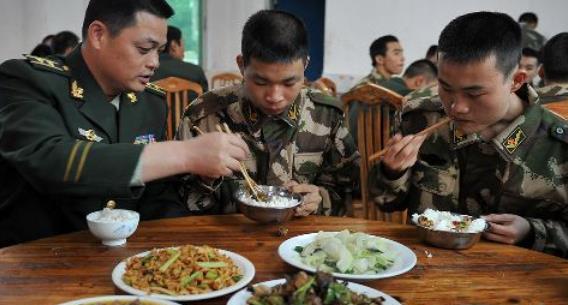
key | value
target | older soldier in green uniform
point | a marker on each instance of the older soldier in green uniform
(78, 132)
(504, 155)
(296, 135)
(555, 70)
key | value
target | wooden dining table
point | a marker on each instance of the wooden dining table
(72, 266)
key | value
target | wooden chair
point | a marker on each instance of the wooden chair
(225, 79)
(559, 108)
(374, 123)
(325, 85)
(177, 97)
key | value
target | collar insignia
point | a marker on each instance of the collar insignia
(132, 97)
(76, 91)
(145, 139)
(90, 135)
(458, 135)
(512, 142)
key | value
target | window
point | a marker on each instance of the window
(187, 18)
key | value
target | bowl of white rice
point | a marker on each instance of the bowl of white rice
(277, 208)
(449, 230)
(113, 226)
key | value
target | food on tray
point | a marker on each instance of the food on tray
(181, 271)
(450, 222)
(319, 289)
(346, 252)
(114, 215)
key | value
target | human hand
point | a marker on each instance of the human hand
(310, 195)
(506, 228)
(215, 154)
(402, 153)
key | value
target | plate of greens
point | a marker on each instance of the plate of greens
(347, 255)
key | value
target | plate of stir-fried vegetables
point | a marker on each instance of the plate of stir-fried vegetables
(184, 273)
(318, 289)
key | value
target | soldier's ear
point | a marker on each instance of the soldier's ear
(241, 63)
(96, 34)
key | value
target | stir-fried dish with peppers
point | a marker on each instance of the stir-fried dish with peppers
(181, 271)
(302, 289)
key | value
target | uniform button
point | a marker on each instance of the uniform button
(111, 204)
(559, 130)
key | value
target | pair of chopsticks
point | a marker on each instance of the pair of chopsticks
(254, 187)
(426, 131)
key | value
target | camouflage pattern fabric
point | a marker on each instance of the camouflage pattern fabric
(374, 77)
(522, 171)
(531, 38)
(308, 144)
(553, 93)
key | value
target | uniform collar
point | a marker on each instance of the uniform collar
(94, 103)
(375, 76)
(553, 93)
(256, 118)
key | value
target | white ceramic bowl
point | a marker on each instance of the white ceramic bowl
(119, 298)
(114, 231)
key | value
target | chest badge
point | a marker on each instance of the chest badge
(90, 135)
(145, 139)
(512, 142)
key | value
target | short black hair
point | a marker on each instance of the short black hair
(274, 36)
(63, 40)
(119, 14)
(47, 39)
(530, 52)
(174, 34)
(422, 67)
(528, 17)
(432, 50)
(41, 50)
(555, 58)
(476, 36)
(379, 47)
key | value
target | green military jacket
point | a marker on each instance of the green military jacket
(311, 146)
(522, 171)
(553, 93)
(65, 150)
(170, 66)
(531, 38)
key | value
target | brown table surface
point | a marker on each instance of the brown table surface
(71, 266)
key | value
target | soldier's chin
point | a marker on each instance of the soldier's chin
(273, 111)
(136, 86)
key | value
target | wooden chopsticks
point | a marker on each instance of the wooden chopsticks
(256, 190)
(426, 131)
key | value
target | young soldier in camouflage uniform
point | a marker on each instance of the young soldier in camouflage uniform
(503, 156)
(296, 135)
(530, 37)
(81, 131)
(555, 70)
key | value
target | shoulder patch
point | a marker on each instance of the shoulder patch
(559, 132)
(47, 64)
(207, 104)
(324, 99)
(153, 88)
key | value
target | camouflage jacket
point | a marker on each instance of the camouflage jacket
(312, 147)
(522, 171)
(531, 38)
(373, 77)
(553, 93)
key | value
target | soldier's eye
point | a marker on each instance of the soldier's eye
(144, 50)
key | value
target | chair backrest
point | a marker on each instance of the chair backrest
(177, 97)
(559, 108)
(374, 128)
(225, 80)
(326, 85)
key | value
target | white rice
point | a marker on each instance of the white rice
(275, 201)
(114, 215)
(443, 221)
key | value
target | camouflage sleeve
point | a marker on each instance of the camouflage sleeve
(550, 236)
(198, 195)
(340, 170)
